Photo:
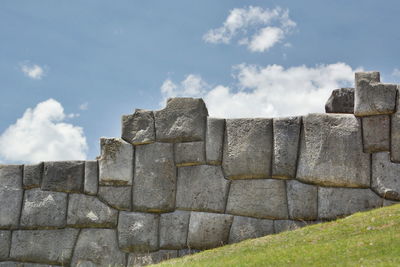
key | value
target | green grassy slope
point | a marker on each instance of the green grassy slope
(363, 239)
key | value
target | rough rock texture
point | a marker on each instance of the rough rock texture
(214, 140)
(387, 202)
(208, 230)
(247, 148)
(138, 232)
(376, 133)
(288, 225)
(385, 176)
(5, 241)
(246, 228)
(143, 259)
(367, 76)
(286, 144)
(154, 185)
(64, 176)
(395, 132)
(258, 198)
(201, 188)
(10, 195)
(32, 175)
(187, 251)
(116, 162)
(182, 120)
(91, 182)
(138, 128)
(118, 197)
(302, 200)
(338, 202)
(44, 209)
(341, 101)
(11, 176)
(189, 154)
(173, 229)
(331, 151)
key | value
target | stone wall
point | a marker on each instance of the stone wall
(179, 181)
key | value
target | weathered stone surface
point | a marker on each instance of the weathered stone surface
(201, 188)
(286, 144)
(88, 211)
(11, 176)
(118, 197)
(246, 228)
(338, 202)
(11, 264)
(247, 148)
(98, 247)
(43, 209)
(174, 229)
(214, 140)
(32, 175)
(331, 151)
(208, 230)
(5, 241)
(288, 225)
(187, 251)
(91, 183)
(138, 128)
(376, 133)
(367, 76)
(10, 207)
(387, 202)
(46, 246)
(182, 120)
(302, 200)
(138, 232)
(38, 265)
(258, 198)
(143, 259)
(385, 176)
(395, 132)
(64, 176)
(154, 185)
(116, 162)
(341, 101)
(190, 153)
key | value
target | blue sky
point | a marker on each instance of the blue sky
(89, 62)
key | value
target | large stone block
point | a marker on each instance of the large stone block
(32, 175)
(46, 246)
(247, 148)
(64, 176)
(11, 176)
(91, 183)
(201, 188)
(5, 242)
(258, 198)
(116, 162)
(331, 151)
(286, 144)
(44, 209)
(246, 228)
(341, 101)
(208, 230)
(154, 185)
(395, 132)
(10, 207)
(302, 200)
(385, 176)
(174, 229)
(98, 247)
(190, 153)
(138, 128)
(376, 133)
(118, 197)
(138, 232)
(214, 140)
(338, 202)
(182, 120)
(143, 259)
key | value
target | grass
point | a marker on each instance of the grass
(364, 239)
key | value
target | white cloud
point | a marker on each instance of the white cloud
(257, 28)
(32, 71)
(271, 90)
(193, 85)
(396, 72)
(42, 135)
(84, 106)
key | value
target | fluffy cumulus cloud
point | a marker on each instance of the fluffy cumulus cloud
(257, 28)
(42, 134)
(266, 91)
(32, 71)
(396, 72)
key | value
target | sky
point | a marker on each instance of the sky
(70, 69)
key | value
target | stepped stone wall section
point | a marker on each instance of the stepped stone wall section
(178, 181)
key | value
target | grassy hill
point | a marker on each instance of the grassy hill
(363, 239)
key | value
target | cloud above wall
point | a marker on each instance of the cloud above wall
(32, 71)
(42, 134)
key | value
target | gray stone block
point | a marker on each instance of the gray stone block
(154, 185)
(331, 151)
(367, 76)
(10, 207)
(182, 120)
(202, 188)
(143, 259)
(91, 183)
(208, 230)
(45, 246)
(174, 229)
(11, 264)
(118, 197)
(138, 232)
(214, 140)
(258, 198)
(376, 133)
(39, 265)
(385, 176)
(11, 176)
(289, 225)
(395, 132)
(5, 242)
(88, 212)
(341, 101)
(302, 200)
(339, 202)
(32, 175)
(44, 209)
(116, 162)
(286, 144)
(247, 148)
(245, 228)
(187, 251)
(138, 128)
(98, 247)
(189, 154)
(64, 176)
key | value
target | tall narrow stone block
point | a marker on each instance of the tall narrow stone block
(302, 200)
(376, 133)
(385, 176)
(138, 128)
(5, 243)
(189, 153)
(32, 175)
(91, 183)
(10, 207)
(63, 176)
(214, 140)
(395, 132)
